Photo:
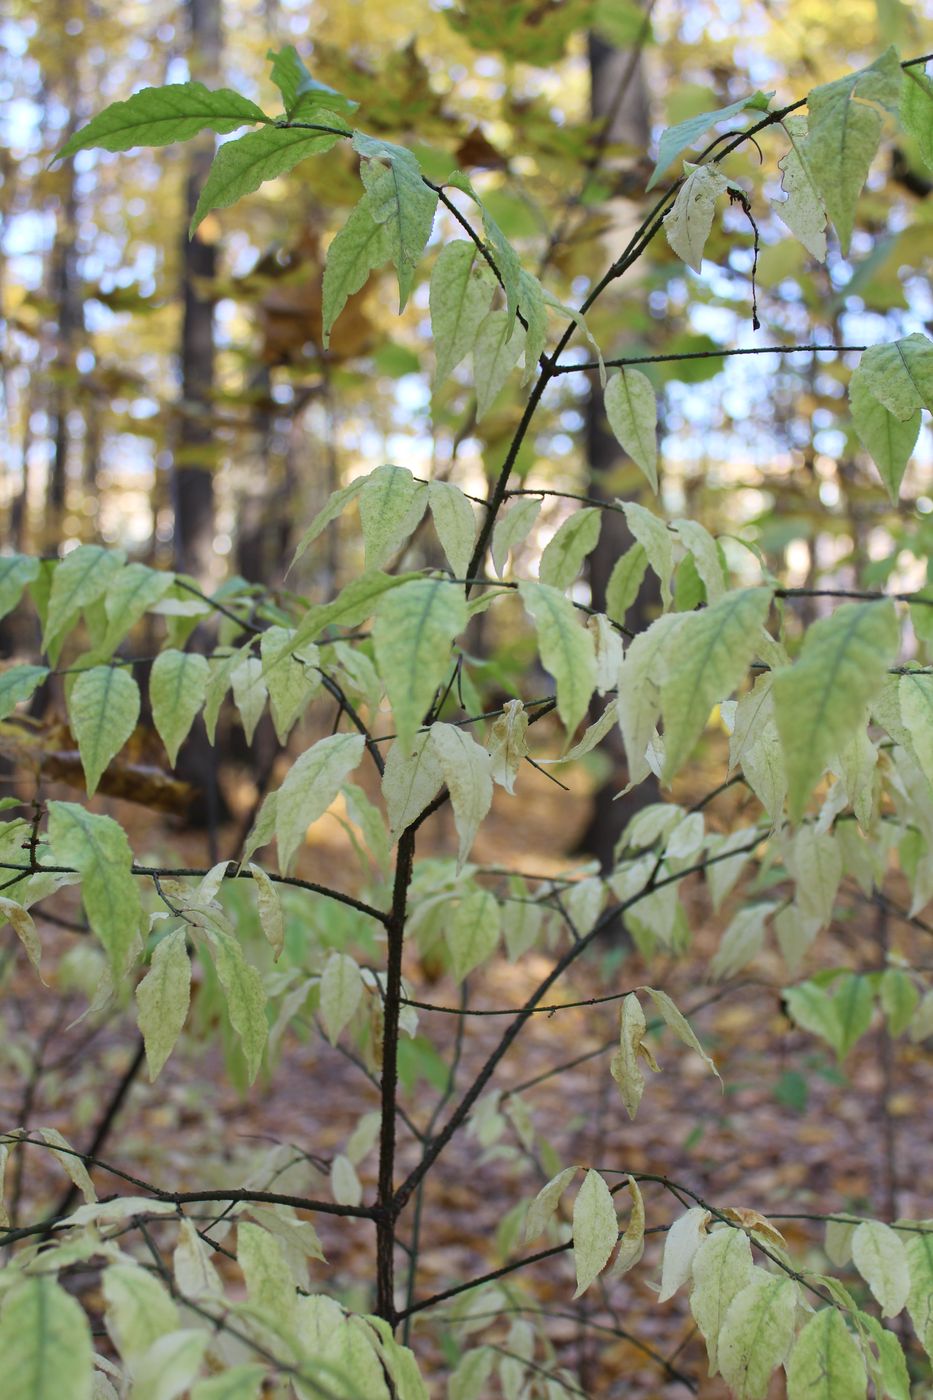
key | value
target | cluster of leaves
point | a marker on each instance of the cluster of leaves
(831, 735)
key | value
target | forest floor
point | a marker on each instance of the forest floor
(793, 1134)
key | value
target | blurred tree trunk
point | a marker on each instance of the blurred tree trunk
(619, 96)
(193, 477)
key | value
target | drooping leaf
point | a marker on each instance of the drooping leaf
(595, 1230)
(567, 649)
(360, 246)
(241, 166)
(462, 287)
(140, 1309)
(162, 998)
(680, 1026)
(341, 993)
(237, 1383)
(310, 786)
(455, 523)
(21, 921)
(80, 579)
(632, 410)
(757, 1333)
(817, 869)
(507, 745)
(919, 1249)
(467, 770)
(16, 570)
(532, 304)
(899, 998)
(246, 999)
(625, 581)
(638, 702)
(512, 529)
(413, 777)
(497, 349)
(802, 211)
(544, 1205)
(391, 505)
(657, 542)
(900, 375)
(269, 906)
(45, 1341)
(884, 1357)
(709, 565)
(64, 1153)
(742, 941)
(632, 1243)
(170, 1364)
(473, 932)
(687, 226)
(163, 115)
(269, 1282)
(400, 202)
(302, 95)
(625, 1065)
(563, 555)
(97, 847)
(249, 693)
(177, 688)
(721, 1267)
(917, 110)
(687, 133)
(844, 130)
(887, 439)
(826, 1363)
(103, 708)
(880, 1257)
(821, 699)
(412, 636)
(18, 683)
(292, 677)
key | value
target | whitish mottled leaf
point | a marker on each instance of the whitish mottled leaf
(401, 203)
(625, 581)
(700, 543)
(413, 777)
(341, 993)
(838, 1241)
(249, 693)
(917, 110)
(826, 1362)
(595, 1230)
(391, 505)
(512, 529)
(844, 130)
(900, 375)
(139, 1309)
(683, 1239)
(470, 1381)
(80, 579)
(246, 999)
(817, 869)
(269, 906)
(237, 1383)
(160, 116)
(344, 1182)
(915, 692)
(473, 932)
(722, 875)
(103, 708)
(680, 1026)
(544, 1205)
(455, 523)
(632, 410)
(269, 1281)
(919, 1248)
(821, 699)
(162, 999)
(625, 1065)
(25, 930)
(462, 287)
(361, 245)
(638, 703)
(508, 745)
(880, 1258)
(632, 1243)
(496, 351)
(721, 1266)
(802, 211)
(563, 555)
(521, 926)
(241, 166)
(310, 786)
(757, 1333)
(884, 1357)
(566, 647)
(334, 506)
(742, 941)
(532, 303)
(714, 648)
(412, 635)
(657, 541)
(167, 1369)
(794, 935)
(192, 1265)
(293, 678)
(135, 589)
(16, 570)
(45, 1342)
(887, 439)
(97, 847)
(687, 133)
(687, 226)
(64, 1153)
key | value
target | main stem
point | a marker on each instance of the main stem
(387, 1210)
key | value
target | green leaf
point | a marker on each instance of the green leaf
(103, 708)
(887, 1366)
(177, 687)
(162, 999)
(455, 523)
(293, 678)
(361, 245)
(880, 1257)
(161, 116)
(473, 932)
(625, 581)
(505, 257)
(917, 110)
(816, 865)
(632, 410)
(413, 777)
(353, 605)
(887, 439)
(462, 287)
(802, 211)
(246, 999)
(249, 693)
(820, 701)
(496, 351)
(899, 998)
(45, 1341)
(98, 849)
(595, 1230)
(722, 1266)
(656, 540)
(341, 993)
(467, 770)
(638, 702)
(312, 783)
(241, 166)
(705, 551)
(237, 1383)
(567, 649)
(16, 570)
(391, 505)
(919, 1249)
(135, 588)
(826, 1362)
(80, 579)
(714, 648)
(269, 1282)
(269, 908)
(412, 635)
(757, 1334)
(687, 133)
(18, 683)
(532, 304)
(688, 223)
(742, 941)
(303, 95)
(811, 1007)
(400, 202)
(335, 505)
(844, 131)
(684, 1238)
(63, 1152)
(900, 375)
(563, 555)
(512, 529)
(170, 1365)
(140, 1310)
